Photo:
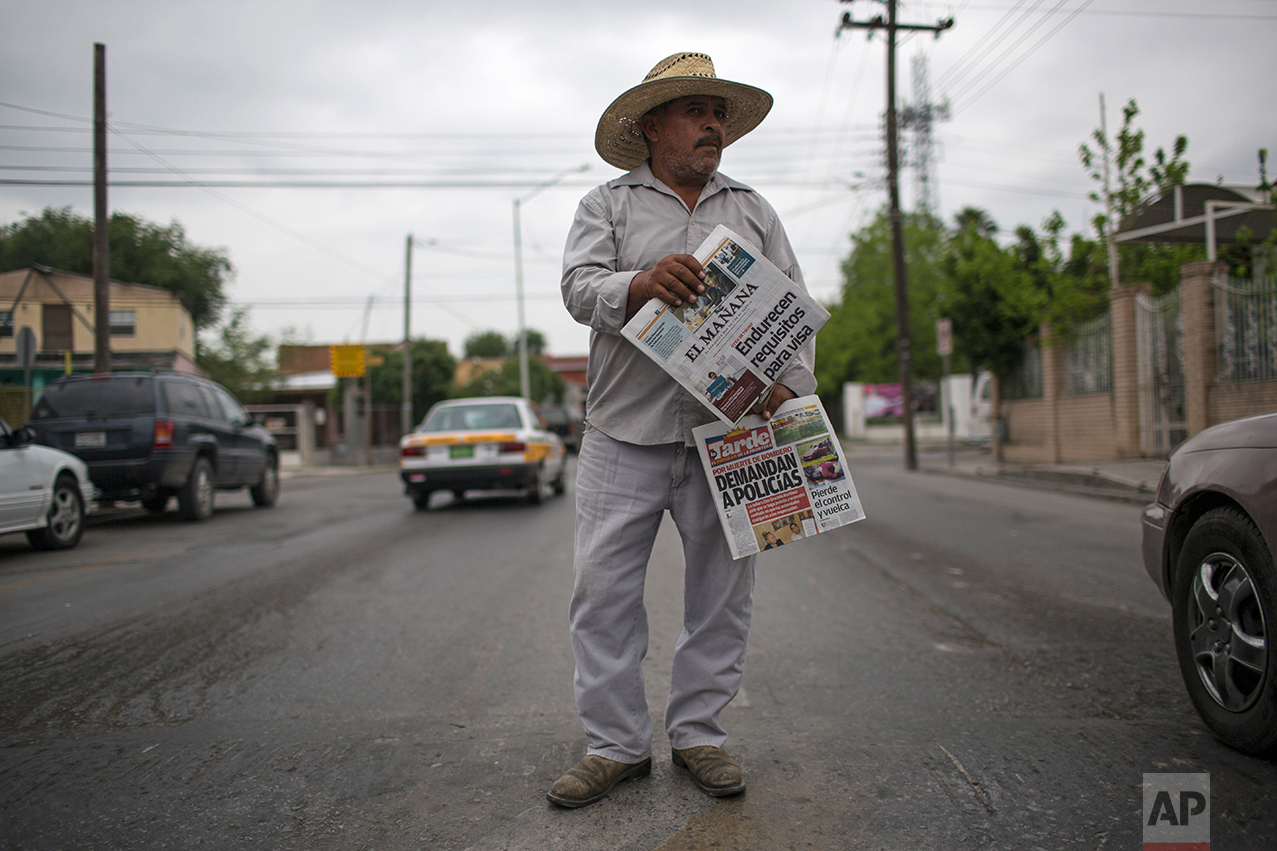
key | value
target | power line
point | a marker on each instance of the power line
(1023, 57)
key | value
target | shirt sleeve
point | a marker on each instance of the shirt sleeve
(799, 376)
(595, 291)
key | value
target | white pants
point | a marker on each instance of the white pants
(622, 493)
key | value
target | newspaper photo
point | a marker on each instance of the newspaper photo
(729, 348)
(776, 483)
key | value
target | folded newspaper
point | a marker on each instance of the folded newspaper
(730, 347)
(778, 482)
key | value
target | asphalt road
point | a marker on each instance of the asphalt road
(974, 666)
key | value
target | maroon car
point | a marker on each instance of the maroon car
(1208, 544)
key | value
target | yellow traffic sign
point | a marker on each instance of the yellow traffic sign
(346, 361)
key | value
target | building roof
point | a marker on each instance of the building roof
(1186, 213)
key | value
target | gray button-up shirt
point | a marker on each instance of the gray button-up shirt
(622, 228)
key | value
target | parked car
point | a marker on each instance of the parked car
(482, 443)
(567, 423)
(43, 491)
(1208, 544)
(148, 436)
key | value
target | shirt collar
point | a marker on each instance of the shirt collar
(642, 176)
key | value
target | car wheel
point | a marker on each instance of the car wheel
(558, 485)
(266, 492)
(195, 499)
(1225, 596)
(421, 499)
(66, 518)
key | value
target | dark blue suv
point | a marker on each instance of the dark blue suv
(149, 436)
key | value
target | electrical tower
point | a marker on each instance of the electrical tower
(919, 117)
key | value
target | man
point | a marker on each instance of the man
(631, 241)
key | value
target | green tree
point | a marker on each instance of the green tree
(433, 367)
(486, 344)
(141, 253)
(544, 384)
(536, 342)
(1138, 181)
(989, 295)
(859, 341)
(240, 360)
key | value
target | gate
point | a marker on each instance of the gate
(1160, 342)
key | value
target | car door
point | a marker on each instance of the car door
(22, 489)
(248, 455)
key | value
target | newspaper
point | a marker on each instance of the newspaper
(778, 482)
(730, 347)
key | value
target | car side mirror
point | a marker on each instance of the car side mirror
(21, 437)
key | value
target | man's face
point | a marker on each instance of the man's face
(687, 137)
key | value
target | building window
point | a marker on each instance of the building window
(123, 323)
(6, 323)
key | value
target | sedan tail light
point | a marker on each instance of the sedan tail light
(162, 437)
(512, 447)
(411, 451)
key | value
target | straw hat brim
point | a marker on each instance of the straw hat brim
(619, 138)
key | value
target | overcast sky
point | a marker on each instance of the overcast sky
(474, 104)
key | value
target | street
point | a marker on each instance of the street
(973, 666)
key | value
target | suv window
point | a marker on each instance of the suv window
(182, 397)
(97, 397)
(234, 413)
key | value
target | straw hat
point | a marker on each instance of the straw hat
(619, 138)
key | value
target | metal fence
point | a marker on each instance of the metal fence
(1088, 358)
(1246, 328)
(1160, 341)
(1025, 381)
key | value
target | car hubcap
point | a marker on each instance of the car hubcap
(64, 520)
(1227, 632)
(204, 492)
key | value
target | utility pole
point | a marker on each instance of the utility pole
(1110, 224)
(903, 345)
(405, 413)
(524, 385)
(101, 221)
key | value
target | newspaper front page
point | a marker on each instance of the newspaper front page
(730, 347)
(776, 483)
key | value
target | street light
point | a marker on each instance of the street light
(524, 388)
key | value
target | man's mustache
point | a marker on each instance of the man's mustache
(711, 139)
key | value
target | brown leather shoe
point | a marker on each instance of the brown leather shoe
(712, 769)
(592, 778)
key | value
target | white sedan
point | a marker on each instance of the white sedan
(44, 492)
(481, 443)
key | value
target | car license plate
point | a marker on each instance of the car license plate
(90, 439)
(462, 451)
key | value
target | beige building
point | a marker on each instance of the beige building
(150, 329)
(59, 308)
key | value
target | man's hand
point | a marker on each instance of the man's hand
(780, 395)
(674, 280)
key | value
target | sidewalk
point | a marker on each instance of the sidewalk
(1127, 481)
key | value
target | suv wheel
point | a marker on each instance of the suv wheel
(195, 499)
(266, 492)
(66, 518)
(1224, 598)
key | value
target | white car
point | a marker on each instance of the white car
(44, 492)
(481, 443)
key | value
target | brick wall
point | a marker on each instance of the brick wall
(1233, 401)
